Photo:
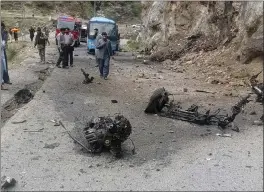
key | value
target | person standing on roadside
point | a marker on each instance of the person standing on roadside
(61, 46)
(41, 41)
(31, 33)
(10, 35)
(4, 35)
(69, 48)
(3, 65)
(46, 31)
(15, 31)
(97, 38)
(104, 54)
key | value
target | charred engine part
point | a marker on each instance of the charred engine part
(108, 133)
(157, 101)
(87, 78)
(257, 88)
(175, 111)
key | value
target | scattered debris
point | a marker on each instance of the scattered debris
(88, 150)
(87, 78)
(257, 87)
(40, 130)
(170, 131)
(185, 90)
(51, 146)
(18, 122)
(202, 91)
(253, 113)
(56, 123)
(114, 101)
(7, 182)
(223, 135)
(249, 166)
(258, 123)
(131, 166)
(215, 82)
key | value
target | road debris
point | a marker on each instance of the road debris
(87, 78)
(258, 123)
(56, 123)
(202, 91)
(253, 113)
(108, 133)
(51, 146)
(257, 87)
(114, 101)
(40, 130)
(223, 135)
(18, 122)
(84, 147)
(7, 182)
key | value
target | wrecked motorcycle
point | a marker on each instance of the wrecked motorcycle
(108, 133)
(159, 104)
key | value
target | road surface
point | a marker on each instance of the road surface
(170, 154)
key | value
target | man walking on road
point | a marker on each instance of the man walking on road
(69, 47)
(104, 54)
(31, 33)
(97, 38)
(41, 41)
(61, 46)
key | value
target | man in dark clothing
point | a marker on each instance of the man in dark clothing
(31, 33)
(15, 36)
(104, 53)
(40, 41)
(4, 34)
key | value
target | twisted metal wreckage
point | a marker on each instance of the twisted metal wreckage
(159, 104)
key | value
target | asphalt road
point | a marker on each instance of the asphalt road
(170, 155)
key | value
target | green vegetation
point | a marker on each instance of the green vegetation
(132, 45)
(13, 49)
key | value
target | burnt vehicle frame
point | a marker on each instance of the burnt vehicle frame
(159, 104)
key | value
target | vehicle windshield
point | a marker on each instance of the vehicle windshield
(65, 24)
(109, 28)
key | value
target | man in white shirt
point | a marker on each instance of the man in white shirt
(61, 47)
(69, 48)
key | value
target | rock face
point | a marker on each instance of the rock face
(209, 25)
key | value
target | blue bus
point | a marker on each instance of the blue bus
(103, 25)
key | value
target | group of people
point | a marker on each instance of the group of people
(65, 42)
(4, 67)
(32, 32)
(103, 53)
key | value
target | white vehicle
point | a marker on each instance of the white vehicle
(83, 33)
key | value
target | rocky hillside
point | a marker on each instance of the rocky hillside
(121, 11)
(211, 39)
(209, 26)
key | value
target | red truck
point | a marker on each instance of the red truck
(73, 24)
